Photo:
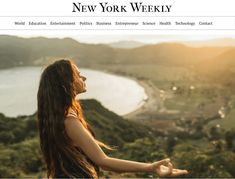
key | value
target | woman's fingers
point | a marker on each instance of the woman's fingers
(178, 172)
(164, 171)
(162, 162)
(164, 168)
(170, 166)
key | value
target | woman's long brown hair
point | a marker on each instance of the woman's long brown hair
(56, 94)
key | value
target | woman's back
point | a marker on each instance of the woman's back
(74, 170)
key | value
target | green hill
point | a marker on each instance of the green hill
(110, 127)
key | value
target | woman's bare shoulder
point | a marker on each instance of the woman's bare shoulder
(70, 118)
(71, 114)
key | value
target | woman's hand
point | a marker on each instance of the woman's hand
(164, 168)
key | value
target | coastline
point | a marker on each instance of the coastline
(151, 105)
(148, 89)
(153, 112)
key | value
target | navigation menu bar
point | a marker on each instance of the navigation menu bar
(117, 23)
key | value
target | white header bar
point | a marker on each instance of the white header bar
(121, 15)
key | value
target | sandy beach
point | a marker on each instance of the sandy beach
(152, 103)
(153, 112)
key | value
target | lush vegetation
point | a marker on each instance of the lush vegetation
(204, 152)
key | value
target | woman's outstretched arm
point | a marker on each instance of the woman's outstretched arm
(83, 139)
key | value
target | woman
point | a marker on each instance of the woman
(69, 146)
